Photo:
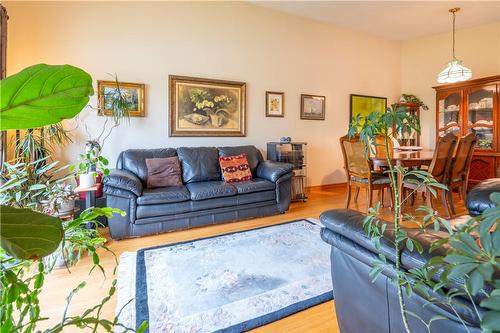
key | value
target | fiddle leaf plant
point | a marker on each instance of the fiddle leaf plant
(42, 95)
(39, 96)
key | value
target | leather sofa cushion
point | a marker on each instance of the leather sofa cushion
(254, 185)
(199, 164)
(478, 199)
(254, 156)
(134, 160)
(163, 172)
(210, 190)
(145, 211)
(170, 194)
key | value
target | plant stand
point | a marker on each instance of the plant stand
(89, 199)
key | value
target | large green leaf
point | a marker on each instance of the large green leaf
(26, 234)
(42, 95)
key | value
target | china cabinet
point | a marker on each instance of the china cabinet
(473, 107)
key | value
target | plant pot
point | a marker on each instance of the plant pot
(67, 206)
(87, 180)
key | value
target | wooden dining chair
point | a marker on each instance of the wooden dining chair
(359, 171)
(439, 168)
(459, 174)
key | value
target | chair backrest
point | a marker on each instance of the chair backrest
(380, 147)
(463, 157)
(443, 156)
(355, 161)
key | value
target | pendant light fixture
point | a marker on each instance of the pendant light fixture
(454, 72)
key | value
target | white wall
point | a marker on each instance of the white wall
(423, 58)
(145, 42)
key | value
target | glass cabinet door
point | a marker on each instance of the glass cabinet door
(480, 116)
(449, 116)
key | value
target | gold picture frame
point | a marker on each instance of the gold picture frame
(312, 107)
(132, 91)
(206, 107)
(275, 104)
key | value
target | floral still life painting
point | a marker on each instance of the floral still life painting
(206, 107)
(275, 104)
(133, 93)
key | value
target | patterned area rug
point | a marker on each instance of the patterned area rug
(228, 283)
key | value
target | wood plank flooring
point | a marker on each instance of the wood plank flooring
(320, 318)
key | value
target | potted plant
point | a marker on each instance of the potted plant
(472, 257)
(91, 163)
(60, 200)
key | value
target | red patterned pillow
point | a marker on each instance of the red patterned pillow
(235, 168)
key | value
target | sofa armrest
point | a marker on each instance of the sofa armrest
(124, 180)
(272, 171)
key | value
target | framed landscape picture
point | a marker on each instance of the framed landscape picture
(363, 105)
(275, 104)
(206, 107)
(312, 107)
(132, 92)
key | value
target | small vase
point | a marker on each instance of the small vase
(87, 180)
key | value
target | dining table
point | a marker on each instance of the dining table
(410, 159)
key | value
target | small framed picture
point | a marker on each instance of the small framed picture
(275, 104)
(132, 92)
(312, 107)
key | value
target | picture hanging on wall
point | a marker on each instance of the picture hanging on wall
(206, 107)
(312, 107)
(363, 105)
(275, 104)
(132, 92)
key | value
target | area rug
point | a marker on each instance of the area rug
(228, 283)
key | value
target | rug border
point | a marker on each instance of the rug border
(141, 299)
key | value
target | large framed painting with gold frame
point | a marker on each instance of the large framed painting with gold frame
(132, 92)
(363, 105)
(206, 107)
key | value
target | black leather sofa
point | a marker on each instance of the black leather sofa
(365, 306)
(478, 198)
(203, 199)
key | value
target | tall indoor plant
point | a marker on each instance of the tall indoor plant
(473, 260)
(55, 93)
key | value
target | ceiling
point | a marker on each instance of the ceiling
(401, 20)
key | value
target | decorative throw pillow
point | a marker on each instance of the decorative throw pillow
(163, 172)
(235, 168)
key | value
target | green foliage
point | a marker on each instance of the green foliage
(20, 288)
(43, 94)
(26, 234)
(410, 98)
(92, 161)
(28, 184)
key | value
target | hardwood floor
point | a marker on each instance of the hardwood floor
(320, 318)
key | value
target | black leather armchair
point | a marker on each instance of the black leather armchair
(204, 198)
(365, 306)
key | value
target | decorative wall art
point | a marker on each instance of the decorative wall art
(206, 107)
(312, 107)
(132, 92)
(275, 104)
(363, 105)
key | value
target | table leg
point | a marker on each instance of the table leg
(90, 202)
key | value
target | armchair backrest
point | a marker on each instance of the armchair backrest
(355, 162)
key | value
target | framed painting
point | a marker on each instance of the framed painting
(132, 92)
(363, 105)
(206, 107)
(275, 104)
(312, 107)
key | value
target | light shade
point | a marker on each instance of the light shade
(454, 72)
